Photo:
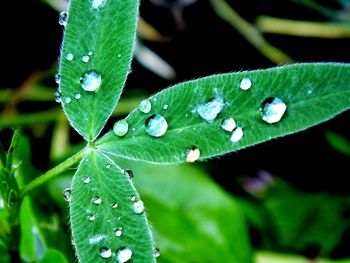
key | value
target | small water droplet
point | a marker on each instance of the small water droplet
(118, 231)
(156, 252)
(69, 56)
(138, 206)
(96, 4)
(156, 125)
(128, 173)
(96, 239)
(108, 166)
(57, 78)
(210, 110)
(236, 135)
(309, 91)
(85, 58)
(165, 106)
(86, 180)
(67, 194)
(145, 106)
(105, 252)
(246, 84)
(121, 128)
(91, 81)
(67, 100)
(97, 200)
(272, 110)
(123, 254)
(119, 55)
(91, 217)
(228, 124)
(77, 95)
(57, 97)
(63, 18)
(90, 53)
(192, 154)
(114, 205)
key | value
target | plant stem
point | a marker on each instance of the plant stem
(52, 173)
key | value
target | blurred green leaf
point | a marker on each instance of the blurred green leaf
(53, 256)
(338, 142)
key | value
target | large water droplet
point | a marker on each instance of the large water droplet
(96, 4)
(77, 95)
(121, 128)
(272, 110)
(210, 110)
(156, 252)
(91, 217)
(137, 205)
(85, 58)
(97, 200)
(228, 124)
(118, 232)
(246, 84)
(69, 56)
(105, 252)
(91, 81)
(192, 154)
(128, 173)
(57, 97)
(236, 135)
(86, 180)
(67, 194)
(145, 106)
(63, 18)
(156, 125)
(123, 254)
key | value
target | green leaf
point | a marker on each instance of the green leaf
(101, 203)
(203, 223)
(338, 142)
(53, 256)
(109, 33)
(312, 92)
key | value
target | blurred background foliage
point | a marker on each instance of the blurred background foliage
(286, 200)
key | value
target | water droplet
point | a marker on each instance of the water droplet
(118, 231)
(91, 81)
(77, 95)
(272, 110)
(63, 18)
(138, 206)
(97, 200)
(70, 56)
(85, 58)
(119, 55)
(67, 100)
(156, 252)
(96, 239)
(228, 124)
(309, 91)
(236, 135)
(128, 173)
(105, 252)
(156, 125)
(90, 53)
(246, 84)
(123, 254)
(210, 110)
(192, 154)
(145, 106)
(114, 205)
(96, 4)
(86, 180)
(108, 166)
(67, 194)
(91, 217)
(165, 106)
(57, 97)
(57, 78)
(121, 128)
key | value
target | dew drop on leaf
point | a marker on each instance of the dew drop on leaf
(210, 110)
(77, 95)
(128, 173)
(90, 53)
(137, 205)
(96, 4)
(57, 78)
(57, 97)
(246, 84)
(118, 232)
(69, 56)
(121, 128)
(96, 239)
(91, 217)
(165, 106)
(86, 180)
(96, 200)
(67, 194)
(123, 254)
(90, 81)
(156, 125)
(228, 124)
(63, 18)
(114, 205)
(108, 166)
(192, 154)
(67, 100)
(272, 110)
(85, 58)
(236, 135)
(156, 252)
(105, 252)
(145, 106)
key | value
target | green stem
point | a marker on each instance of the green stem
(52, 173)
